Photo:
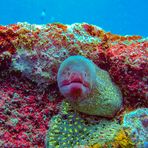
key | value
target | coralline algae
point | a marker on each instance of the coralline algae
(30, 56)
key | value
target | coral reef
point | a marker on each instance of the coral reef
(30, 56)
(25, 111)
(129, 69)
(38, 50)
(137, 122)
(71, 129)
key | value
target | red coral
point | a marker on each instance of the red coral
(24, 119)
(129, 69)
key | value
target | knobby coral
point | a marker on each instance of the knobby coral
(70, 129)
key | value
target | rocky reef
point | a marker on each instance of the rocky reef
(30, 56)
(137, 122)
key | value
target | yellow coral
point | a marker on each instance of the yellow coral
(95, 146)
(123, 140)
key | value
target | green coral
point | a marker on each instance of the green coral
(69, 129)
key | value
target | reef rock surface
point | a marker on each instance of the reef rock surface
(30, 56)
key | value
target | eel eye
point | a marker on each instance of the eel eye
(85, 74)
(63, 73)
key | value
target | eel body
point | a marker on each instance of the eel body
(88, 88)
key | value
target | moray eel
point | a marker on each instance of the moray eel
(88, 88)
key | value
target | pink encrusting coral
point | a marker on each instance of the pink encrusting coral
(30, 56)
(25, 111)
(129, 68)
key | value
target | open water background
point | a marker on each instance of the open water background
(125, 17)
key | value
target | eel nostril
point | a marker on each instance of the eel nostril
(76, 76)
(68, 73)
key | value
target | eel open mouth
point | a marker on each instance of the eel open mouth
(75, 86)
(74, 81)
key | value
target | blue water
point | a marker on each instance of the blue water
(118, 16)
(146, 144)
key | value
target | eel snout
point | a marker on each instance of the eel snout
(75, 86)
(75, 77)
